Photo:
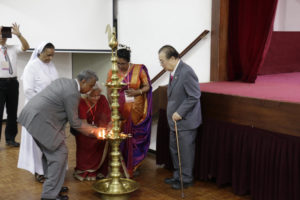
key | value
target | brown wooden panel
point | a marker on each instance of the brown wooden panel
(276, 116)
(159, 99)
(219, 40)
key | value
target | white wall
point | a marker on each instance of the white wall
(147, 25)
(287, 16)
(68, 24)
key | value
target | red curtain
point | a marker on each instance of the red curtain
(249, 33)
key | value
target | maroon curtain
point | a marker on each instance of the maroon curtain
(261, 163)
(283, 54)
(249, 32)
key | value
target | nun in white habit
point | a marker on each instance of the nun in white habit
(39, 72)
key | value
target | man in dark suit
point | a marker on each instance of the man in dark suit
(184, 108)
(45, 116)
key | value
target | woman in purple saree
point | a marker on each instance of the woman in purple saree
(135, 109)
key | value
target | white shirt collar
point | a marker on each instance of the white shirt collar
(78, 85)
(173, 72)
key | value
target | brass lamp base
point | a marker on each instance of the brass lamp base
(127, 187)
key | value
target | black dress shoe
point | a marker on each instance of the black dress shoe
(177, 186)
(12, 143)
(64, 189)
(171, 181)
(62, 197)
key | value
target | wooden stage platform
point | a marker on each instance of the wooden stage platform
(250, 142)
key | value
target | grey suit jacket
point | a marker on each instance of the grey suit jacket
(184, 98)
(46, 114)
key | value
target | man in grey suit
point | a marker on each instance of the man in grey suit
(45, 117)
(184, 108)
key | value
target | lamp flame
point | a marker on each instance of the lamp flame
(101, 133)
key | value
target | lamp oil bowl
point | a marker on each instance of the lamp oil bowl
(122, 190)
(115, 187)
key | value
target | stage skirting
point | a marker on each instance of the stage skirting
(250, 143)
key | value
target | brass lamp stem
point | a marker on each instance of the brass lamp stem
(115, 187)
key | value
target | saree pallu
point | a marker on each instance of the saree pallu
(137, 118)
(91, 153)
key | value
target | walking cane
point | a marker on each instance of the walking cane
(179, 160)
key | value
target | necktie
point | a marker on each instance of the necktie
(171, 78)
(7, 59)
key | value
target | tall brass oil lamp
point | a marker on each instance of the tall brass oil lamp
(115, 187)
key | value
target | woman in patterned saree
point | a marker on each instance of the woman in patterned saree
(91, 153)
(135, 109)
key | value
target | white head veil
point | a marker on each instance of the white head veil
(37, 51)
(35, 54)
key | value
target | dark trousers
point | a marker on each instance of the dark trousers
(9, 97)
(54, 165)
(186, 141)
